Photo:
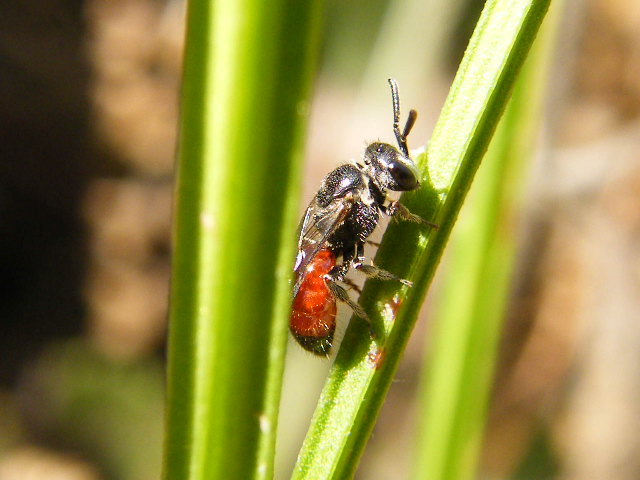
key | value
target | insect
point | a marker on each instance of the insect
(344, 212)
(313, 314)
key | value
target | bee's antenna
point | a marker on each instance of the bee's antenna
(401, 137)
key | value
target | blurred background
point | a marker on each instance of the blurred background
(88, 114)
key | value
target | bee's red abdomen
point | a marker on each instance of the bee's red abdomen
(313, 315)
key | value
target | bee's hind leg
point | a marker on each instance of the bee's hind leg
(341, 294)
(352, 285)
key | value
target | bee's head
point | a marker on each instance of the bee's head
(390, 169)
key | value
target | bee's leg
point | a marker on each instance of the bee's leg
(398, 211)
(337, 274)
(375, 244)
(341, 294)
(374, 271)
(352, 285)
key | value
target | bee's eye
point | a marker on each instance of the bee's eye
(405, 178)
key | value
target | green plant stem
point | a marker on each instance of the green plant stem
(467, 324)
(247, 71)
(363, 370)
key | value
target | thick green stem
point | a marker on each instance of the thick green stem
(247, 71)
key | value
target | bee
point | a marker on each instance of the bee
(336, 225)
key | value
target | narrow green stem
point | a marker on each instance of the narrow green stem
(363, 369)
(467, 324)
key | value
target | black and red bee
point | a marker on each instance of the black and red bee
(336, 225)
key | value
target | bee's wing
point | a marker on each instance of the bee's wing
(316, 227)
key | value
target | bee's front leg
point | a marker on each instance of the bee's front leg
(398, 211)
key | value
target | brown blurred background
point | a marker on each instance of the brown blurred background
(88, 113)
